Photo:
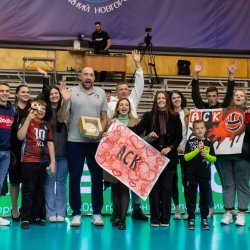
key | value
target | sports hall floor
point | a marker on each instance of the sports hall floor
(138, 236)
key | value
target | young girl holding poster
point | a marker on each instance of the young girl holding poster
(121, 192)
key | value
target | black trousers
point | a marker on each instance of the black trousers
(160, 195)
(32, 190)
(77, 153)
(175, 191)
(193, 182)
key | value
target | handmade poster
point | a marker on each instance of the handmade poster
(225, 128)
(130, 159)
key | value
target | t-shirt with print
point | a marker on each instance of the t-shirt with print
(35, 145)
(198, 165)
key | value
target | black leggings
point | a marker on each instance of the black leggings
(120, 199)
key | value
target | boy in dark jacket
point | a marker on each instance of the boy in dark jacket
(199, 154)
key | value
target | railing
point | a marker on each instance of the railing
(181, 83)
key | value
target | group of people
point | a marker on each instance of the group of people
(34, 150)
(47, 144)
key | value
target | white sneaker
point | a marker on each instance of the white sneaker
(4, 222)
(177, 215)
(52, 219)
(185, 217)
(211, 213)
(227, 218)
(97, 220)
(240, 220)
(76, 221)
(234, 213)
(59, 218)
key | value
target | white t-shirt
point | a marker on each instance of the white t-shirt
(184, 130)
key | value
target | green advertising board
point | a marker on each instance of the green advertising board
(5, 204)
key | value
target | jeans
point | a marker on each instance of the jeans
(4, 166)
(55, 189)
(235, 176)
(77, 152)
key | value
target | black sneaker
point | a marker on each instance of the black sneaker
(164, 223)
(139, 215)
(155, 223)
(191, 225)
(25, 224)
(205, 225)
(39, 222)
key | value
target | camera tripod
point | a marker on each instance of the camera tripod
(149, 60)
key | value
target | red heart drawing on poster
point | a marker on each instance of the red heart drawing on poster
(113, 136)
(132, 175)
(121, 128)
(106, 145)
(132, 184)
(137, 143)
(100, 159)
(150, 151)
(145, 172)
(143, 187)
(159, 161)
(116, 172)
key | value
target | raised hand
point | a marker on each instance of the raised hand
(234, 67)
(65, 92)
(198, 66)
(43, 72)
(136, 56)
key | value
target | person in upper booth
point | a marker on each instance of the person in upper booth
(101, 39)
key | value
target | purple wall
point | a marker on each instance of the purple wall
(205, 24)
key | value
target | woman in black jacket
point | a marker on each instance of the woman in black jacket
(163, 129)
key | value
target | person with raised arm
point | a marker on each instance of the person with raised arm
(88, 100)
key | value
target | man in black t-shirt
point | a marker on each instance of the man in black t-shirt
(101, 44)
(101, 39)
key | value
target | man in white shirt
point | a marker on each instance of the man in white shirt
(122, 91)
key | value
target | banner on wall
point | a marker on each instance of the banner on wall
(187, 24)
(130, 159)
(225, 128)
